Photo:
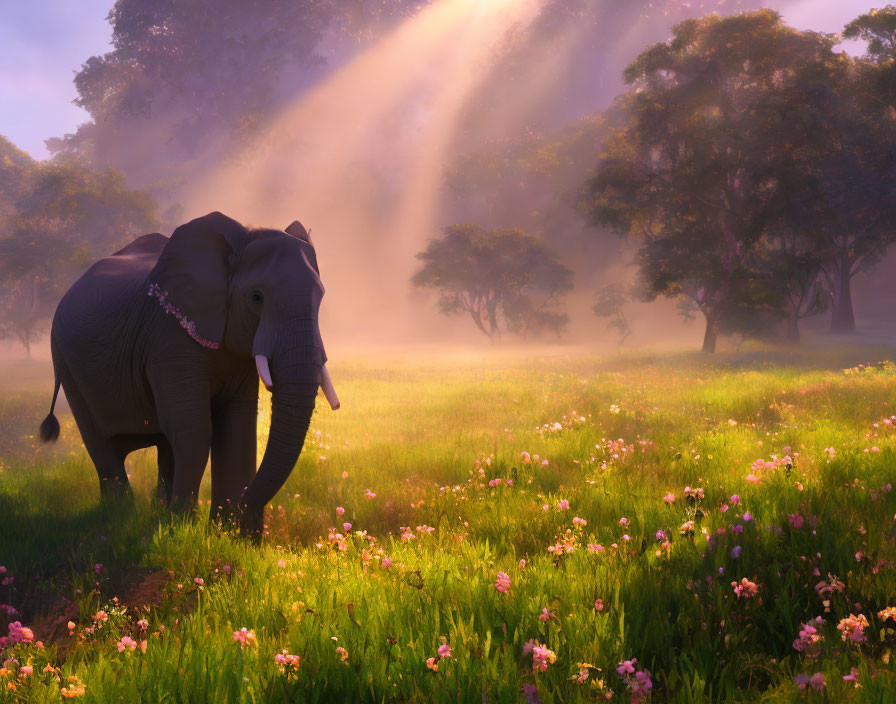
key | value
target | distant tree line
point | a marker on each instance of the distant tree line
(753, 167)
(56, 218)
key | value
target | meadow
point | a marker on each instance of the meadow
(495, 527)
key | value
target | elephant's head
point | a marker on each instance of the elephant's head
(255, 293)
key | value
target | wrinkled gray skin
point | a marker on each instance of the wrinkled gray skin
(154, 345)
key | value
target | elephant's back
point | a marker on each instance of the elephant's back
(101, 303)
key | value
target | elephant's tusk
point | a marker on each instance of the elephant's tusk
(326, 385)
(264, 371)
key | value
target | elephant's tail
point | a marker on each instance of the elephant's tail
(49, 429)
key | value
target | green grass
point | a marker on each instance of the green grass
(427, 436)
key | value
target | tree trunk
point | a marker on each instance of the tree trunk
(842, 317)
(711, 335)
(793, 329)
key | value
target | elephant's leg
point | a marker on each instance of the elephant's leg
(183, 407)
(107, 456)
(190, 439)
(166, 471)
(234, 441)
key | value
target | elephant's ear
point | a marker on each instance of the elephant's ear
(191, 278)
(297, 230)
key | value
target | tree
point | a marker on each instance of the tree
(195, 79)
(687, 173)
(608, 303)
(878, 28)
(66, 217)
(503, 278)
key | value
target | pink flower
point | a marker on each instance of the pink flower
(852, 628)
(735, 500)
(853, 676)
(545, 614)
(126, 642)
(669, 498)
(502, 583)
(563, 504)
(369, 494)
(444, 651)
(752, 478)
(623, 521)
(595, 547)
(346, 527)
(542, 657)
(432, 664)
(745, 589)
(244, 637)
(281, 563)
(387, 562)
(599, 604)
(576, 521)
(19, 633)
(796, 520)
(285, 660)
(26, 670)
(339, 510)
(627, 667)
(816, 682)
(809, 637)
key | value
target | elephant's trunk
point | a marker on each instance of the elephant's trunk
(295, 376)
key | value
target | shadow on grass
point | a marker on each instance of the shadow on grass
(50, 554)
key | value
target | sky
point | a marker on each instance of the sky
(45, 41)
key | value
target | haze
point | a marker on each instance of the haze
(360, 146)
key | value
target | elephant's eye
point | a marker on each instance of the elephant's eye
(256, 297)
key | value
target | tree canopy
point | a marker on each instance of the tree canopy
(742, 163)
(504, 279)
(58, 217)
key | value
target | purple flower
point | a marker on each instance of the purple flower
(531, 692)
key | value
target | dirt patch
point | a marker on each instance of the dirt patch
(144, 588)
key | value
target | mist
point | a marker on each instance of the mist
(362, 143)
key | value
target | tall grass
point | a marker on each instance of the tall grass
(448, 446)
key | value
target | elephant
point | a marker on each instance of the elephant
(162, 344)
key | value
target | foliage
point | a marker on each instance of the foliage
(459, 487)
(878, 28)
(749, 166)
(61, 217)
(608, 303)
(194, 79)
(503, 278)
